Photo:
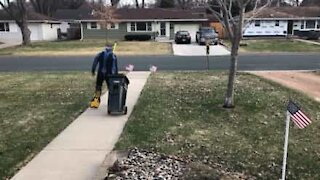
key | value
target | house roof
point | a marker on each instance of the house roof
(32, 17)
(287, 13)
(84, 13)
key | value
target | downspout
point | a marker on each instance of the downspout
(81, 31)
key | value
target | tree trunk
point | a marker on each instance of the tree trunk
(142, 6)
(229, 101)
(137, 4)
(25, 32)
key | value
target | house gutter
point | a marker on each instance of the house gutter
(302, 18)
(81, 31)
(149, 20)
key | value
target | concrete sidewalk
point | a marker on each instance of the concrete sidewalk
(7, 45)
(308, 41)
(79, 150)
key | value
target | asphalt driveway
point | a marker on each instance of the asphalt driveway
(194, 49)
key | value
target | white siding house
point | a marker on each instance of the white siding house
(267, 28)
(283, 21)
(42, 28)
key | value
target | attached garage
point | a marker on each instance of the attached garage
(191, 28)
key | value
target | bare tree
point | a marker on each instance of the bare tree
(48, 7)
(137, 4)
(234, 26)
(108, 17)
(185, 4)
(143, 4)
(114, 2)
(18, 11)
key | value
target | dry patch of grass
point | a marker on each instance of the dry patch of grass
(88, 47)
(34, 108)
(181, 114)
(278, 45)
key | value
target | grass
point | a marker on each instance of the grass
(278, 45)
(34, 108)
(181, 114)
(87, 47)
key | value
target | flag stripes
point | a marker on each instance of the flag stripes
(299, 118)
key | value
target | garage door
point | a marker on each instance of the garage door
(191, 28)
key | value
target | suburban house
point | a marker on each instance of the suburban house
(42, 28)
(159, 23)
(284, 21)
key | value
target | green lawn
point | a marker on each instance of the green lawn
(88, 47)
(34, 108)
(181, 114)
(278, 45)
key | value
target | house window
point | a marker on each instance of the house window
(133, 26)
(302, 25)
(277, 23)
(4, 27)
(257, 23)
(310, 24)
(94, 25)
(141, 26)
(113, 26)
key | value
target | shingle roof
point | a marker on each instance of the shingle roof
(85, 13)
(158, 13)
(32, 16)
(288, 12)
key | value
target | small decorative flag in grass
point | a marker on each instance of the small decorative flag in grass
(130, 67)
(299, 118)
(153, 68)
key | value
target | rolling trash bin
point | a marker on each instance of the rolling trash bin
(118, 86)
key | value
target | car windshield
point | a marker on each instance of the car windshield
(183, 33)
(208, 31)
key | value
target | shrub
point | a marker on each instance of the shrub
(137, 37)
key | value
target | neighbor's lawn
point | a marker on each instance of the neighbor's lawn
(88, 47)
(278, 45)
(34, 108)
(181, 114)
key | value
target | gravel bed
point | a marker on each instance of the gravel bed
(144, 165)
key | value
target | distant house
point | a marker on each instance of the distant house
(284, 21)
(157, 22)
(41, 27)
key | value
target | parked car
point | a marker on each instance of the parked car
(207, 34)
(183, 37)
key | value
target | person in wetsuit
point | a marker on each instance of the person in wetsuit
(108, 65)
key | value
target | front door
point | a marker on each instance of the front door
(162, 29)
(290, 27)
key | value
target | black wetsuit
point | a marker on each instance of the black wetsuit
(108, 65)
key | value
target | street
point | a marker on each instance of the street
(253, 62)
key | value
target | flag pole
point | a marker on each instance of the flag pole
(285, 151)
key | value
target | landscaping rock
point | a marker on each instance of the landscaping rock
(147, 165)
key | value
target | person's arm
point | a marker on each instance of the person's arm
(95, 63)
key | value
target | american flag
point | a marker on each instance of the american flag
(153, 68)
(130, 67)
(298, 117)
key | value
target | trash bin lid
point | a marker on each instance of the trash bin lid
(119, 77)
